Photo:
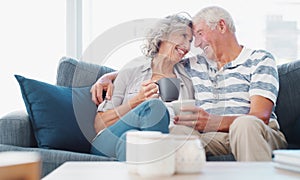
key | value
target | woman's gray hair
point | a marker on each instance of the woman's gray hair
(162, 30)
(212, 15)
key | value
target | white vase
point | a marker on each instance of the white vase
(190, 154)
(155, 155)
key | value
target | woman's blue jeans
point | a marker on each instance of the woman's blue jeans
(151, 115)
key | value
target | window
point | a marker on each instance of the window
(33, 39)
(33, 33)
(270, 24)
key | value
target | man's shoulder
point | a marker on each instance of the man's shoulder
(197, 59)
(261, 54)
(256, 58)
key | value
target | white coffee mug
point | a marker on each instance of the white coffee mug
(190, 154)
(178, 104)
(156, 155)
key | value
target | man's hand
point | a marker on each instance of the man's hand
(198, 119)
(97, 91)
(104, 83)
(202, 121)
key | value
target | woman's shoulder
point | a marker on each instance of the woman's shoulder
(135, 66)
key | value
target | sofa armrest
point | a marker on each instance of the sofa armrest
(75, 73)
(287, 106)
(15, 129)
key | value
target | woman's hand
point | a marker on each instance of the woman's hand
(147, 91)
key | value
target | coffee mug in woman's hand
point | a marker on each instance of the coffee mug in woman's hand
(169, 89)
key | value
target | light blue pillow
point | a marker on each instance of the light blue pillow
(61, 117)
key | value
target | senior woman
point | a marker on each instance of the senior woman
(135, 104)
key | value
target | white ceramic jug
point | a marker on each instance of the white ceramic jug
(190, 154)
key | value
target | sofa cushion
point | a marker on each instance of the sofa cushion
(288, 106)
(72, 72)
(61, 117)
(15, 129)
(52, 159)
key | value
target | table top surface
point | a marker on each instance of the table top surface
(212, 170)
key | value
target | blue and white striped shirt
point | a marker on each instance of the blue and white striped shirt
(227, 91)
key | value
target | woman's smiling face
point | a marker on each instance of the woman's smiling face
(177, 44)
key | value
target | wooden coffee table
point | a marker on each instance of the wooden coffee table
(212, 170)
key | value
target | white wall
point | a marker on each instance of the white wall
(249, 17)
(33, 32)
(32, 40)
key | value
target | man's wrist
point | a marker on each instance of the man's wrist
(113, 75)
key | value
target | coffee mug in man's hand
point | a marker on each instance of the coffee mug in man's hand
(169, 89)
(177, 105)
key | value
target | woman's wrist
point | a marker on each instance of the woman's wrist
(135, 102)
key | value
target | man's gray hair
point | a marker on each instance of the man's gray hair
(212, 15)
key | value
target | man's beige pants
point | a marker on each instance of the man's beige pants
(249, 139)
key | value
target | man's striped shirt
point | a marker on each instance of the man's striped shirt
(227, 91)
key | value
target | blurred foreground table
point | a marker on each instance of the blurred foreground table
(212, 170)
(20, 165)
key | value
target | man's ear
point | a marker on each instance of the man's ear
(222, 26)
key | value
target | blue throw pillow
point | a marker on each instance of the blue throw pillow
(61, 117)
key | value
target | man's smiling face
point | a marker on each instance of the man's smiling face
(204, 38)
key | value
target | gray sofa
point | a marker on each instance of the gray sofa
(16, 132)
